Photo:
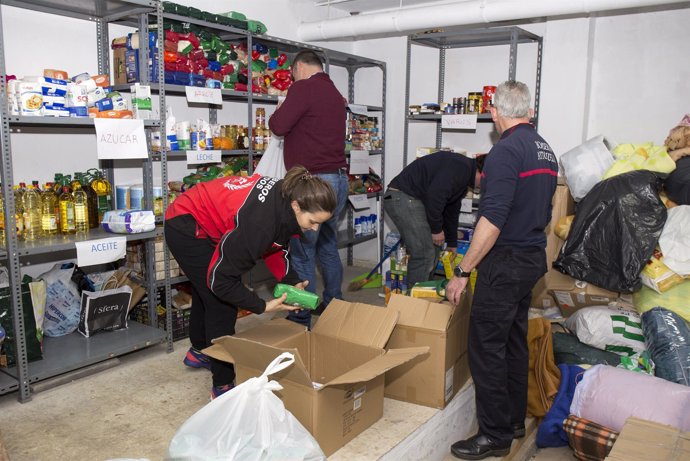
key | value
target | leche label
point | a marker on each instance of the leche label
(195, 157)
(204, 95)
(120, 139)
(90, 252)
(459, 121)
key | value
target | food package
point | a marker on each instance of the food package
(657, 276)
(30, 98)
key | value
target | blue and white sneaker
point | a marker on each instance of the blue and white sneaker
(197, 359)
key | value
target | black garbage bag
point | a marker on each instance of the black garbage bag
(677, 184)
(668, 341)
(616, 228)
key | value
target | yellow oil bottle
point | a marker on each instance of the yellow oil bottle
(32, 214)
(50, 210)
(81, 208)
(67, 223)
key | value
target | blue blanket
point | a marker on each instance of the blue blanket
(550, 432)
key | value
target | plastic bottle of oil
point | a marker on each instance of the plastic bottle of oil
(57, 184)
(19, 210)
(32, 214)
(103, 189)
(2, 221)
(67, 224)
(49, 211)
(85, 181)
(81, 208)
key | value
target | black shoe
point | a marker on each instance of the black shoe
(518, 430)
(478, 447)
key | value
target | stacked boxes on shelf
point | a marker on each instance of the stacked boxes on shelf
(363, 133)
(136, 256)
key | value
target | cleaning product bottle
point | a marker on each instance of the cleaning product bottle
(32, 214)
(67, 224)
(81, 208)
(103, 189)
(296, 296)
(49, 210)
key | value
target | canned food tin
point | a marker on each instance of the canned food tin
(488, 98)
(474, 103)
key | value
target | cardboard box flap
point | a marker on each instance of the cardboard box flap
(257, 356)
(357, 323)
(273, 332)
(378, 365)
(416, 312)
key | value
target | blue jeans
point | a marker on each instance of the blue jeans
(409, 217)
(321, 245)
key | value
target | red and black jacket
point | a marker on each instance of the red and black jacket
(247, 218)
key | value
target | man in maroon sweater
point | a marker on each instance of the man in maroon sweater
(312, 121)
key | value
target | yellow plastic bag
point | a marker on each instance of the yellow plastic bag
(677, 299)
(647, 156)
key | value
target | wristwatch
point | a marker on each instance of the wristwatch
(458, 272)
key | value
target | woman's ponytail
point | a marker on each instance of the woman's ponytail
(312, 193)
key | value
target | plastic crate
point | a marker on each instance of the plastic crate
(180, 319)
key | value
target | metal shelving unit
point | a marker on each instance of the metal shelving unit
(352, 63)
(453, 38)
(70, 352)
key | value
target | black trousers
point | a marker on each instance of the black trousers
(497, 342)
(211, 317)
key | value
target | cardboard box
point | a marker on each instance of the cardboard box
(335, 387)
(119, 66)
(642, 440)
(562, 205)
(434, 379)
(581, 294)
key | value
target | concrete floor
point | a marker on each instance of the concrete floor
(133, 409)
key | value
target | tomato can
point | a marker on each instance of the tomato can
(488, 98)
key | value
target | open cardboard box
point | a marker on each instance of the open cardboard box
(434, 379)
(642, 440)
(335, 387)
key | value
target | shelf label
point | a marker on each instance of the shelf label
(195, 157)
(90, 252)
(359, 201)
(120, 139)
(359, 162)
(459, 121)
(204, 95)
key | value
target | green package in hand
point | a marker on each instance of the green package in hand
(296, 296)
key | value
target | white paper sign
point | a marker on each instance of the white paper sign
(459, 121)
(359, 201)
(358, 109)
(120, 139)
(203, 156)
(204, 95)
(359, 162)
(90, 252)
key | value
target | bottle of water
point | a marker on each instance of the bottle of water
(358, 227)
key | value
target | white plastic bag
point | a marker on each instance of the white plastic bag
(585, 165)
(675, 240)
(272, 163)
(608, 396)
(128, 222)
(247, 423)
(63, 305)
(609, 328)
